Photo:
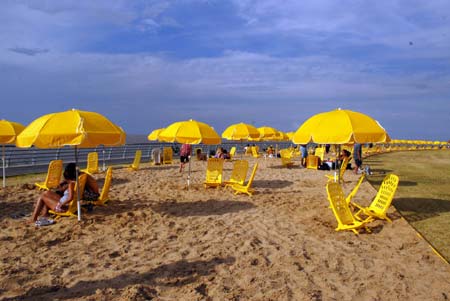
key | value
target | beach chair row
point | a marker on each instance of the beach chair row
(214, 175)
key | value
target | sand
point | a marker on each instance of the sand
(158, 240)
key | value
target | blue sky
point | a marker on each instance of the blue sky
(146, 64)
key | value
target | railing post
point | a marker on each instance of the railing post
(124, 152)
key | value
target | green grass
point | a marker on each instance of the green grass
(423, 195)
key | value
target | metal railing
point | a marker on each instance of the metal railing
(20, 161)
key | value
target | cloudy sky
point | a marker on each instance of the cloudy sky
(146, 64)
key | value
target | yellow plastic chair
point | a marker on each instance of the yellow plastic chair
(214, 171)
(53, 176)
(238, 174)
(342, 170)
(232, 152)
(255, 152)
(312, 162)
(240, 188)
(248, 151)
(382, 200)
(320, 152)
(286, 157)
(167, 155)
(137, 160)
(341, 210)
(355, 189)
(104, 195)
(72, 210)
(92, 164)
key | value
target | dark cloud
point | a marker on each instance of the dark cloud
(28, 51)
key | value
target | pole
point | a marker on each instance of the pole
(3, 162)
(77, 171)
(189, 169)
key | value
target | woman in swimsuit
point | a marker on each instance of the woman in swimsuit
(56, 200)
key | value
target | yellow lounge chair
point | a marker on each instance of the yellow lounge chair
(286, 157)
(72, 210)
(320, 152)
(350, 196)
(342, 170)
(92, 164)
(167, 155)
(239, 188)
(137, 160)
(341, 210)
(382, 200)
(238, 174)
(232, 152)
(214, 171)
(104, 195)
(255, 152)
(53, 176)
(312, 162)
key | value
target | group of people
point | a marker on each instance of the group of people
(59, 199)
(357, 157)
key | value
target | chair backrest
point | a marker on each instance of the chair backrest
(239, 172)
(355, 189)
(167, 155)
(252, 176)
(137, 160)
(53, 174)
(385, 194)
(286, 153)
(343, 168)
(104, 195)
(320, 152)
(254, 152)
(92, 163)
(232, 152)
(81, 184)
(339, 204)
(312, 162)
(214, 171)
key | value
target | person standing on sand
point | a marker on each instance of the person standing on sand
(185, 153)
(357, 156)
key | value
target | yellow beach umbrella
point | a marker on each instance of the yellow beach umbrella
(290, 135)
(8, 133)
(190, 132)
(154, 134)
(340, 127)
(240, 131)
(267, 133)
(74, 128)
(281, 136)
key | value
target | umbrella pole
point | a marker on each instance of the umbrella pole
(189, 171)
(77, 171)
(3, 162)
(336, 172)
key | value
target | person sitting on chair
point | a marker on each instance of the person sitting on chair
(200, 156)
(59, 199)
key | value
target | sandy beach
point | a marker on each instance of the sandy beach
(158, 240)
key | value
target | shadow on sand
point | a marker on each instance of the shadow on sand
(200, 208)
(418, 209)
(175, 274)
